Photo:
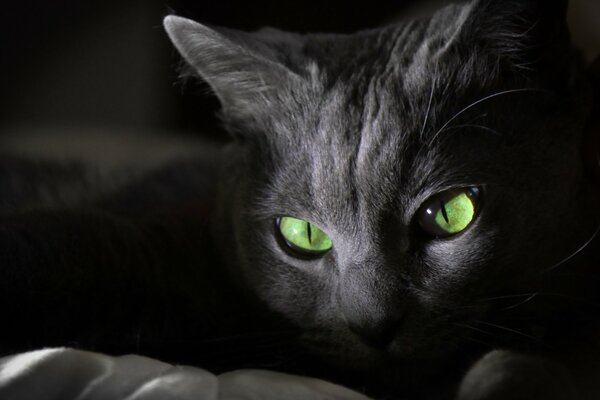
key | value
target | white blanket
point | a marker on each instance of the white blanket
(67, 374)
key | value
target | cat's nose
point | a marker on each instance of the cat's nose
(372, 301)
(376, 333)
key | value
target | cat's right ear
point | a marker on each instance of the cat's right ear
(241, 71)
(529, 37)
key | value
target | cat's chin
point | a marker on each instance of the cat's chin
(360, 357)
(374, 370)
(357, 360)
(346, 353)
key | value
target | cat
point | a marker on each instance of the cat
(404, 210)
(363, 140)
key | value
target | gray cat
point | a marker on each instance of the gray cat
(413, 195)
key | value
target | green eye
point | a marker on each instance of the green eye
(449, 212)
(304, 237)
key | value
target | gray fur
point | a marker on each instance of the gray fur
(355, 132)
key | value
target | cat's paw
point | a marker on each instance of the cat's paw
(501, 375)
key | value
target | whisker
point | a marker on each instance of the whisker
(510, 296)
(528, 299)
(491, 96)
(508, 330)
(475, 329)
(571, 298)
(579, 250)
(485, 128)
(433, 84)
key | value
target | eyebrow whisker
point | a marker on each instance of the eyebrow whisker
(491, 96)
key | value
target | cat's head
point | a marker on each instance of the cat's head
(380, 185)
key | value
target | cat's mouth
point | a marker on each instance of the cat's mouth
(352, 353)
(417, 342)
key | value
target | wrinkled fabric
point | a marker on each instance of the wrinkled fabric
(68, 374)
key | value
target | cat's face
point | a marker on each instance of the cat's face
(357, 135)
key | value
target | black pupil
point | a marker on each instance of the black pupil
(444, 212)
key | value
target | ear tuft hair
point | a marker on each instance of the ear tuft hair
(243, 78)
(520, 36)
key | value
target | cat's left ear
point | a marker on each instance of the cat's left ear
(242, 70)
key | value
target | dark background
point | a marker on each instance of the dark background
(109, 64)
